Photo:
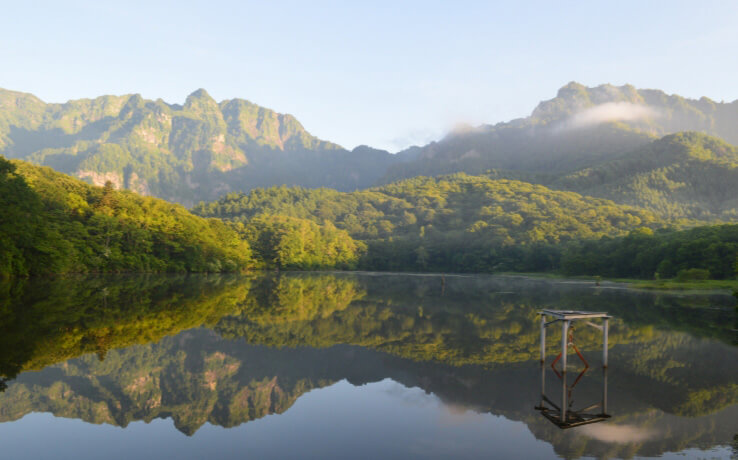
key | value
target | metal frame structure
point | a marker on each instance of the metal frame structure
(567, 317)
(564, 416)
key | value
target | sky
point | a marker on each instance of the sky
(386, 74)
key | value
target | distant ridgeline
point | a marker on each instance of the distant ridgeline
(579, 128)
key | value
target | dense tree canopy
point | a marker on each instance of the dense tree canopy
(463, 223)
(452, 223)
(52, 223)
(664, 254)
(507, 211)
(301, 244)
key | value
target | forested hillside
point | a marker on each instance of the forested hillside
(451, 223)
(463, 223)
(528, 210)
(182, 153)
(505, 210)
(53, 223)
(681, 175)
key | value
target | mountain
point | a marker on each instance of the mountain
(579, 128)
(182, 153)
(606, 141)
(680, 175)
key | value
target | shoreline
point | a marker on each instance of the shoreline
(727, 287)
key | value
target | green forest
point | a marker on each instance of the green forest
(55, 224)
(52, 223)
(462, 223)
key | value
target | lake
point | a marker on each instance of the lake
(360, 365)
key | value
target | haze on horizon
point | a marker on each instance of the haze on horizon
(380, 74)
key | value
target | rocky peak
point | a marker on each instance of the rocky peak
(200, 100)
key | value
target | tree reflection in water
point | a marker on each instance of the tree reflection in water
(227, 350)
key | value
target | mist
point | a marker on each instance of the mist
(608, 112)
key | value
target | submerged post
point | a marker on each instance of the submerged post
(605, 327)
(604, 390)
(543, 338)
(564, 399)
(543, 384)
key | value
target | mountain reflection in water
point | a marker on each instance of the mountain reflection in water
(454, 361)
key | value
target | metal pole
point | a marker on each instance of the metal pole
(564, 343)
(605, 326)
(543, 338)
(604, 390)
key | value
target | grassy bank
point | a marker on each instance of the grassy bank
(664, 284)
(671, 284)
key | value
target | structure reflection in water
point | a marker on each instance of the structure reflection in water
(565, 414)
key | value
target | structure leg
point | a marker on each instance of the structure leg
(605, 326)
(564, 343)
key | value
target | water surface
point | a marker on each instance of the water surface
(357, 366)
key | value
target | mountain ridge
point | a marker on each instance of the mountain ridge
(203, 149)
(183, 153)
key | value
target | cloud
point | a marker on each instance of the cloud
(610, 111)
(620, 434)
(418, 137)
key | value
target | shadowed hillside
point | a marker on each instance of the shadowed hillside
(579, 128)
(681, 175)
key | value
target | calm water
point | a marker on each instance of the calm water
(357, 366)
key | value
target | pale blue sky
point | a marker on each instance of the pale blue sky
(387, 74)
